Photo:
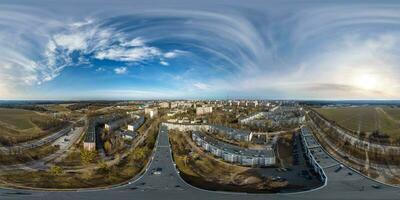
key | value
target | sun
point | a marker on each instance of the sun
(366, 81)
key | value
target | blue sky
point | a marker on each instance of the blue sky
(199, 49)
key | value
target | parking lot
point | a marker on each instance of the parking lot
(300, 174)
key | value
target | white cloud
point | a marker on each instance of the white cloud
(82, 23)
(201, 86)
(173, 54)
(136, 42)
(132, 54)
(164, 63)
(71, 42)
(121, 70)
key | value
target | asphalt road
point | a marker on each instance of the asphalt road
(169, 185)
(37, 143)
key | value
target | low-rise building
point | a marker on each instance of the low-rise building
(174, 104)
(235, 154)
(113, 124)
(316, 156)
(90, 139)
(152, 112)
(136, 124)
(252, 117)
(279, 115)
(163, 104)
(89, 142)
(203, 110)
(230, 133)
(129, 135)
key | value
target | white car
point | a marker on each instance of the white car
(157, 173)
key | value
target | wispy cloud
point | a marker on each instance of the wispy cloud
(128, 55)
(173, 54)
(201, 86)
(136, 42)
(275, 50)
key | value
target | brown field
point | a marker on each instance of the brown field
(202, 170)
(365, 119)
(19, 119)
(58, 107)
(16, 125)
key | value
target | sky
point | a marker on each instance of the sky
(187, 49)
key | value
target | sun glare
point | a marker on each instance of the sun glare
(366, 81)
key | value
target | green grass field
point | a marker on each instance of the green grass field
(365, 119)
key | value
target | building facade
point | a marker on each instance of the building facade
(235, 154)
(163, 104)
(230, 133)
(204, 110)
(313, 151)
(89, 142)
(136, 124)
(152, 112)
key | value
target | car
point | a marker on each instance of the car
(157, 171)
(376, 186)
(338, 169)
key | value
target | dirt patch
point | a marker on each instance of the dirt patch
(202, 170)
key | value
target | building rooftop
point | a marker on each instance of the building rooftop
(138, 122)
(305, 131)
(231, 131)
(90, 133)
(233, 148)
(311, 142)
(322, 158)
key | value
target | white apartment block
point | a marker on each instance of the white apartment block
(152, 112)
(163, 104)
(203, 110)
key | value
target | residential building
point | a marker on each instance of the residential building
(203, 110)
(230, 133)
(152, 112)
(117, 123)
(316, 156)
(233, 153)
(174, 104)
(129, 135)
(163, 104)
(89, 142)
(136, 124)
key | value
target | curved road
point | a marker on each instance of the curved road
(168, 185)
(37, 143)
